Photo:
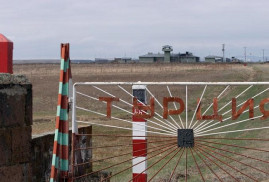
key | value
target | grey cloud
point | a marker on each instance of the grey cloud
(106, 28)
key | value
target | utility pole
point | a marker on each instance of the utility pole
(245, 48)
(223, 50)
(263, 55)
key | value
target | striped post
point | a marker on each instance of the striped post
(59, 167)
(139, 137)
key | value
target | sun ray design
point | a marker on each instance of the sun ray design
(169, 149)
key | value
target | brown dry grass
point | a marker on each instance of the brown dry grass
(44, 78)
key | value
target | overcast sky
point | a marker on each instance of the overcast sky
(117, 28)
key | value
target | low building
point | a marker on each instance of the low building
(187, 57)
(213, 59)
(151, 58)
(123, 60)
(103, 60)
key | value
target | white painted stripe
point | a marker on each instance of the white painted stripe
(171, 83)
(139, 168)
(139, 87)
(139, 129)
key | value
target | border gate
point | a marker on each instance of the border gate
(197, 131)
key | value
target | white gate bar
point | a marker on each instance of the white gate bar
(74, 123)
(172, 83)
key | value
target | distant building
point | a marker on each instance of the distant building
(228, 60)
(168, 57)
(123, 60)
(103, 60)
(236, 60)
(151, 58)
(213, 59)
(187, 57)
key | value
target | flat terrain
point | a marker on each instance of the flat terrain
(44, 78)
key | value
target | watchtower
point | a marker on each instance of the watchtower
(167, 56)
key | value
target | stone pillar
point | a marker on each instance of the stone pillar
(15, 128)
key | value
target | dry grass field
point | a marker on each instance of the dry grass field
(44, 78)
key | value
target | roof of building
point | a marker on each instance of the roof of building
(126, 58)
(150, 55)
(213, 57)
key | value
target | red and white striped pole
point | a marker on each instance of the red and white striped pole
(139, 137)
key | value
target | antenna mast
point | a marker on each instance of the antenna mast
(223, 50)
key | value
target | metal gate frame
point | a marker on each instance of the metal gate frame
(198, 129)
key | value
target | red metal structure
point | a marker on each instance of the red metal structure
(6, 54)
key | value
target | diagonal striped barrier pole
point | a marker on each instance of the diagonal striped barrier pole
(139, 137)
(59, 167)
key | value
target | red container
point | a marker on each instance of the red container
(6, 55)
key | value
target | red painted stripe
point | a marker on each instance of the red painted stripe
(57, 122)
(58, 149)
(64, 103)
(61, 75)
(53, 172)
(64, 127)
(63, 51)
(65, 77)
(139, 148)
(64, 152)
(141, 177)
(59, 99)
(64, 174)
(55, 144)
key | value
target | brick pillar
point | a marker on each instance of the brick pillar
(15, 128)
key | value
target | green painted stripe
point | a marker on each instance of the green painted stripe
(64, 164)
(53, 160)
(63, 114)
(51, 179)
(63, 139)
(62, 64)
(65, 89)
(60, 87)
(66, 65)
(58, 111)
(56, 134)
